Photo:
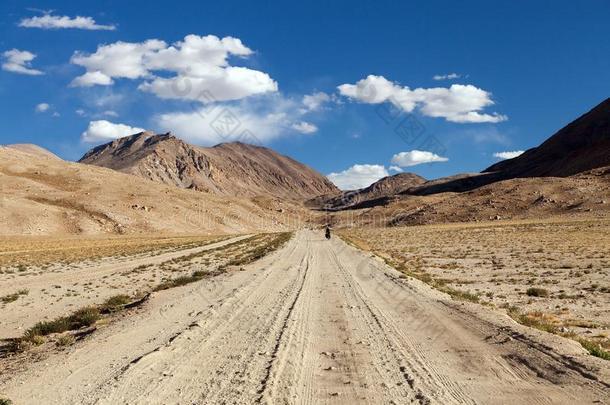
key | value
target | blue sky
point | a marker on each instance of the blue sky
(366, 67)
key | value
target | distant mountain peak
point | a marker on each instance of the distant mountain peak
(233, 168)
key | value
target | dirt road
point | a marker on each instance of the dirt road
(316, 322)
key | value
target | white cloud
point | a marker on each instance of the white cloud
(396, 169)
(17, 61)
(252, 120)
(304, 127)
(42, 107)
(214, 124)
(358, 176)
(508, 155)
(119, 60)
(49, 21)
(458, 103)
(91, 79)
(220, 84)
(56, 114)
(450, 76)
(102, 130)
(110, 113)
(315, 101)
(199, 63)
(416, 157)
(80, 112)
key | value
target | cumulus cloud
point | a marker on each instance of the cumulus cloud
(49, 21)
(42, 107)
(450, 76)
(252, 120)
(102, 130)
(416, 157)
(213, 124)
(200, 67)
(358, 176)
(119, 60)
(17, 61)
(508, 154)
(396, 169)
(92, 79)
(304, 127)
(458, 103)
(315, 101)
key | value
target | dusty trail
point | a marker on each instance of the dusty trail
(316, 322)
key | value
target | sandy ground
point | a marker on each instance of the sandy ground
(315, 322)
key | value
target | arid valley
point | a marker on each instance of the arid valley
(178, 228)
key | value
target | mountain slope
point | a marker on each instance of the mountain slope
(582, 145)
(234, 169)
(34, 150)
(56, 197)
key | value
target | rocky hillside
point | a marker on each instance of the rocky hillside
(372, 195)
(582, 145)
(585, 194)
(235, 169)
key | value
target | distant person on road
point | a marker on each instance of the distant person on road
(327, 232)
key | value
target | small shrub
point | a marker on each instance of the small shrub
(537, 292)
(37, 340)
(81, 318)
(45, 328)
(65, 340)
(84, 317)
(5, 401)
(595, 349)
(536, 320)
(180, 281)
(114, 303)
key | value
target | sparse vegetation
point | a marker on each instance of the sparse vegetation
(180, 281)
(537, 292)
(115, 303)
(5, 401)
(594, 348)
(510, 264)
(536, 320)
(81, 318)
(65, 340)
(23, 253)
(259, 251)
(14, 297)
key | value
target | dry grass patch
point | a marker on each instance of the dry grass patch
(21, 252)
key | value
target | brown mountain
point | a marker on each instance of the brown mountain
(235, 169)
(50, 196)
(376, 193)
(582, 145)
